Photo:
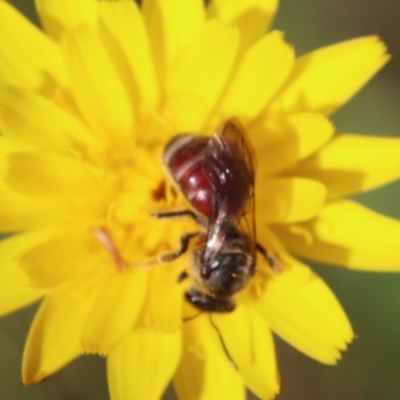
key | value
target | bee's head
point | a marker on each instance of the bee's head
(224, 275)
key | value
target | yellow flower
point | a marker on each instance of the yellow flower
(86, 108)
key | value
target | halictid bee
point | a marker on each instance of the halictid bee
(216, 175)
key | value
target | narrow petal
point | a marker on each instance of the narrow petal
(248, 340)
(197, 80)
(7, 147)
(285, 200)
(325, 79)
(171, 26)
(76, 254)
(15, 289)
(127, 41)
(143, 365)
(119, 300)
(57, 16)
(49, 175)
(352, 163)
(28, 58)
(19, 212)
(31, 120)
(262, 71)
(54, 337)
(301, 309)
(348, 234)
(164, 311)
(253, 17)
(283, 141)
(96, 87)
(205, 371)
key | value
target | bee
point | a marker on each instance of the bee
(216, 175)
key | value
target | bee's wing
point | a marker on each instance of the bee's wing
(236, 140)
(233, 201)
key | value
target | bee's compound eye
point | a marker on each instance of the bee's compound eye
(208, 303)
(205, 272)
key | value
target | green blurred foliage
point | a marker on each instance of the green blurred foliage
(370, 370)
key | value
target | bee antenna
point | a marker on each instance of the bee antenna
(221, 339)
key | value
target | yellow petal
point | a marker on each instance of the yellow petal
(325, 79)
(348, 234)
(302, 310)
(354, 163)
(19, 212)
(280, 143)
(15, 290)
(285, 200)
(253, 17)
(171, 26)
(127, 41)
(54, 337)
(96, 87)
(30, 120)
(28, 58)
(248, 340)
(57, 16)
(75, 254)
(164, 311)
(198, 78)
(143, 365)
(262, 71)
(118, 302)
(205, 371)
(49, 175)
(6, 148)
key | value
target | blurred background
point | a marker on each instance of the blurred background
(370, 369)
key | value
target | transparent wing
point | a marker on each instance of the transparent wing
(232, 177)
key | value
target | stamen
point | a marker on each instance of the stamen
(104, 238)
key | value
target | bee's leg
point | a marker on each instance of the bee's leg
(271, 260)
(182, 276)
(187, 319)
(168, 257)
(187, 212)
(184, 244)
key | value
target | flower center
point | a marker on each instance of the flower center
(129, 233)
